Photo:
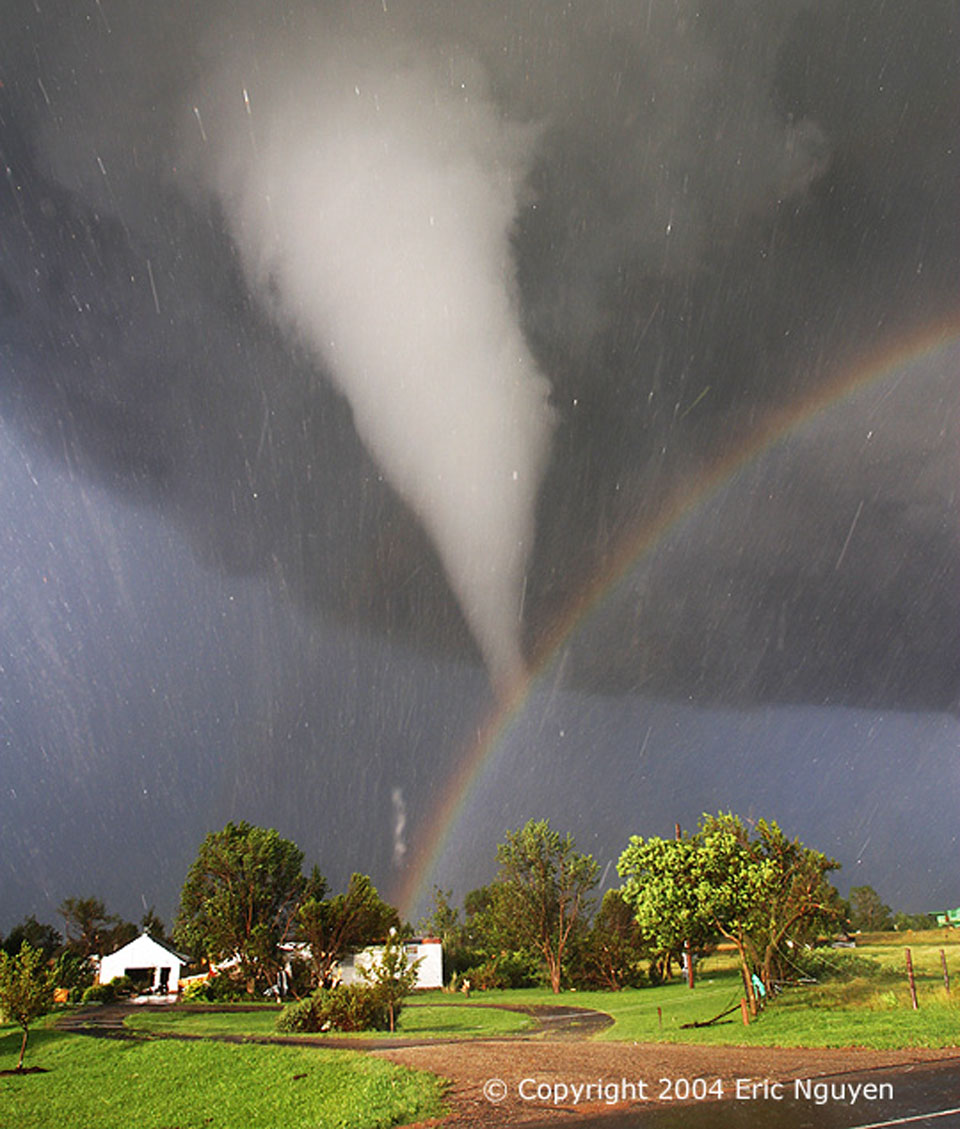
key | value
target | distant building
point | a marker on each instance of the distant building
(150, 964)
(427, 950)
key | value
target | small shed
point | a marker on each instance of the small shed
(150, 964)
(427, 950)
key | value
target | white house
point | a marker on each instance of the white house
(427, 950)
(146, 961)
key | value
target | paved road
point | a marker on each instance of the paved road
(923, 1097)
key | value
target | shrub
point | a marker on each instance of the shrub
(119, 988)
(298, 1016)
(509, 970)
(74, 973)
(348, 1007)
(217, 989)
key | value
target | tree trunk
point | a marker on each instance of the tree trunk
(23, 1047)
(768, 960)
(747, 979)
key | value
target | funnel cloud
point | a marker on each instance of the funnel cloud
(372, 197)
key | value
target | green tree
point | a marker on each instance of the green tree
(445, 924)
(443, 921)
(660, 886)
(917, 921)
(121, 934)
(730, 887)
(37, 935)
(478, 901)
(759, 893)
(867, 912)
(612, 954)
(392, 974)
(541, 894)
(796, 901)
(240, 900)
(152, 924)
(26, 989)
(336, 926)
(73, 972)
(89, 927)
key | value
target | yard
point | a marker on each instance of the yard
(853, 1021)
(152, 1084)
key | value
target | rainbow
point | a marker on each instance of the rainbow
(681, 503)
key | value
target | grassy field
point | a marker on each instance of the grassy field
(157, 1084)
(434, 1020)
(872, 1010)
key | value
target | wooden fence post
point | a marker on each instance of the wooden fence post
(946, 975)
(913, 984)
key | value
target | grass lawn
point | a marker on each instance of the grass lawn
(433, 1020)
(866, 1010)
(158, 1084)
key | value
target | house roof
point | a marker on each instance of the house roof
(138, 942)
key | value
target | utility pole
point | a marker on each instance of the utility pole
(687, 951)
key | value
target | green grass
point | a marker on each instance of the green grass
(160, 1084)
(433, 1020)
(866, 1011)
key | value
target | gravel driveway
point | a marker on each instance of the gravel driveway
(666, 1069)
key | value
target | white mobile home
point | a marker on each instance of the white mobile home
(427, 950)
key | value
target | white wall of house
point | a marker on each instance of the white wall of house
(143, 953)
(429, 972)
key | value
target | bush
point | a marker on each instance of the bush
(298, 1016)
(916, 921)
(218, 989)
(120, 987)
(74, 973)
(348, 1007)
(510, 970)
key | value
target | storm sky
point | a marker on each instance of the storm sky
(360, 362)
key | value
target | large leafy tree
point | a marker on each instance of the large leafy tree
(731, 884)
(612, 954)
(26, 989)
(542, 893)
(240, 899)
(760, 893)
(89, 928)
(91, 931)
(37, 934)
(867, 912)
(336, 926)
(797, 902)
(660, 878)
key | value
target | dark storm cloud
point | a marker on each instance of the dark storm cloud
(702, 216)
(825, 570)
